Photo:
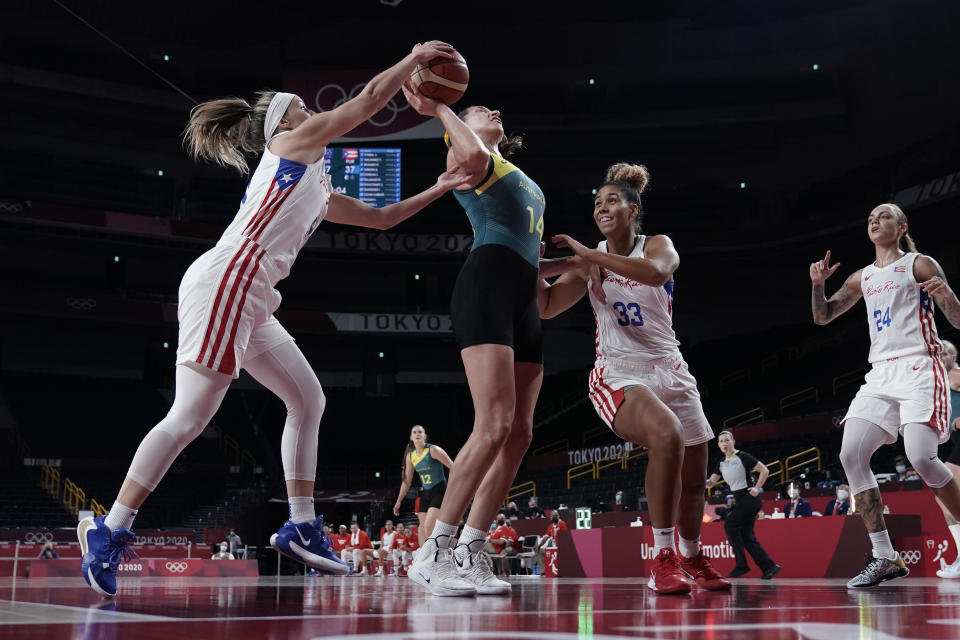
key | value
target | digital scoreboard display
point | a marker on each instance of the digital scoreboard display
(371, 175)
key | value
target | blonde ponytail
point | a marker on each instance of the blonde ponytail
(225, 131)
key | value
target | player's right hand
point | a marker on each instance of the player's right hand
(821, 269)
(396, 509)
(421, 104)
(424, 52)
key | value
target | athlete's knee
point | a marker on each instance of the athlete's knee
(934, 473)
(495, 427)
(666, 439)
(521, 434)
(182, 427)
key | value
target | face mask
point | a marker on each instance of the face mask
(901, 468)
(500, 523)
(842, 495)
(555, 519)
(793, 493)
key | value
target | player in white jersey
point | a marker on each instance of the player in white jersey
(227, 300)
(640, 385)
(906, 390)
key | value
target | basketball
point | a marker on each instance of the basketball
(442, 79)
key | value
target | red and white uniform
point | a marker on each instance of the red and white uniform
(227, 296)
(504, 536)
(386, 539)
(636, 346)
(907, 382)
(553, 531)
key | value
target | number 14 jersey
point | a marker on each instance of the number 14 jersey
(636, 322)
(899, 312)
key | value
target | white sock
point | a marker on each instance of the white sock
(689, 548)
(443, 534)
(955, 532)
(882, 547)
(301, 510)
(120, 517)
(471, 541)
(663, 539)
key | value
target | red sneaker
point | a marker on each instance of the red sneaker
(703, 573)
(666, 576)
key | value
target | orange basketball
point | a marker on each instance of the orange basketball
(442, 79)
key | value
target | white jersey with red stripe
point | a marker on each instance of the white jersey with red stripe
(283, 204)
(636, 321)
(899, 312)
(227, 296)
(907, 382)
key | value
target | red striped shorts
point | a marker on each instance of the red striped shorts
(226, 306)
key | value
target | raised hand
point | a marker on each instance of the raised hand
(426, 51)
(821, 269)
(421, 104)
(563, 240)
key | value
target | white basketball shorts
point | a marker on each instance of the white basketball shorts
(668, 378)
(226, 306)
(902, 391)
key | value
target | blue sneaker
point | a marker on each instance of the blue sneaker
(308, 544)
(103, 550)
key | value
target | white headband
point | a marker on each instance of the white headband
(275, 112)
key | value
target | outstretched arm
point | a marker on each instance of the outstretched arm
(654, 269)
(930, 276)
(564, 292)
(346, 210)
(825, 310)
(318, 130)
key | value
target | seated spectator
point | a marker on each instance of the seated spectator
(386, 545)
(358, 548)
(224, 553)
(533, 509)
(503, 540)
(512, 511)
(236, 544)
(840, 505)
(340, 540)
(911, 475)
(900, 465)
(797, 507)
(47, 552)
(549, 539)
(405, 545)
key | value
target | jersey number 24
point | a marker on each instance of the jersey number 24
(882, 318)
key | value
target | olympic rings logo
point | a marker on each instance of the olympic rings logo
(342, 96)
(81, 304)
(38, 538)
(911, 557)
(176, 567)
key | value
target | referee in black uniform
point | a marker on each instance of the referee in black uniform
(735, 468)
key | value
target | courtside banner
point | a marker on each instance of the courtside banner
(392, 322)
(327, 90)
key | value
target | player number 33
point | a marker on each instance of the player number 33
(629, 314)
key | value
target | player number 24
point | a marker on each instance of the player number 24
(625, 319)
(539, 226)
(882, 318)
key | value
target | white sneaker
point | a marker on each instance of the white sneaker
(379, 573)
(434, 571)
(951, 570)
(475, 569)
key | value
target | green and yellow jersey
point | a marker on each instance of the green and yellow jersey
(506, 209)
(431, 471)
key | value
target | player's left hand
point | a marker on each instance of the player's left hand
(937, 288)
(753, 491)
(451, 179)
(596, 283)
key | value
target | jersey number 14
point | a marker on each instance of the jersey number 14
(539, 226)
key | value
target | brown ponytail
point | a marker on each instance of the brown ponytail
(907, 245)
(506, 146)
(226, 130)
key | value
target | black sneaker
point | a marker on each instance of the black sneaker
(772, 571)
(737, 572)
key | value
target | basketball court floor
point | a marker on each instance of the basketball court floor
(539, 609)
